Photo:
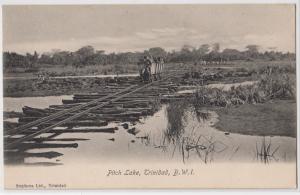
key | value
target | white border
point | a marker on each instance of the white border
(72, 2)
(78, 2)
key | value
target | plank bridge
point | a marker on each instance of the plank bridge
(127, 102)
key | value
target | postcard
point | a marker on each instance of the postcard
(149, 96)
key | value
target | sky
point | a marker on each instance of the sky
(120, 28)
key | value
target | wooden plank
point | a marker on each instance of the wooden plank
(56, 115)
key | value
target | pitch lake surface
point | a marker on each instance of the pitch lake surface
(150, 144)
(85, 76)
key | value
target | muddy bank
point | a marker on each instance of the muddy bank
(198, 137)
(275, 118)
(61, 86)
(204, 76)
(53, 86)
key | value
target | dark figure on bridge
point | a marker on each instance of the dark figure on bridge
(146, 71)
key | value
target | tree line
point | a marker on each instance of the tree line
(87, 55)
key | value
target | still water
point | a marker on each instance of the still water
(149, 144)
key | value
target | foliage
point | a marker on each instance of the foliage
(87, 55)
(274, 83)
(175, 113)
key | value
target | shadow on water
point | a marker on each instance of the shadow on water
(178, 113)
(189, 143)
(264, 152)
(46, 164)
(176, 116)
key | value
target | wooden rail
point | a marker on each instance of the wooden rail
(123, 93)
(63, 112)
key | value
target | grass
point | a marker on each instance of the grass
(276, 118)
(68, 70)
(175, 114)
(250, 65)
(273, 83)
(187, 143)
(262, 63)
(265, 153)
(50, 87)
(267, 108)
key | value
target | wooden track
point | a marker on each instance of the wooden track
(127, 104)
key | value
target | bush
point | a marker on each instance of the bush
(274, 83)
(175, 113)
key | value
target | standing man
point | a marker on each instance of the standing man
(147, 69)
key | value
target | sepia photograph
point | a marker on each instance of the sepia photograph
(139, 96)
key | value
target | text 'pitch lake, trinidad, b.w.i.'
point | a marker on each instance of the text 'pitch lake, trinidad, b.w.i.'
(112, 96)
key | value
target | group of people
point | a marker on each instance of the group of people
(151, 67)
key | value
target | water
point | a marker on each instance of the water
(88, 164)
(98, 76)
(236, 147)
(100, 148)
(129, 148)
(83, 76)
(149, 144)
(227, 87)
(16, 104)
(222, 86)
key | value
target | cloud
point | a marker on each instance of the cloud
(168, 38)
(147, 35)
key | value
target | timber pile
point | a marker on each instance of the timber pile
(129, 109)
(62, 86)
(206, 76)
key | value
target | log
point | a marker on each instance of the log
(122, 115)
(37, 111)
(137, 96)
(102, 130)
(34, 111)
(105, 93)
(89, 119)
(60, 131)
(112, 105)
(133, 131)
(9, 125)
(83, 123)
(123, 101)
(12, 114)
(115, 110)
(42, 164)
(49, 155)
(123, 110)
(47, 139)
(121, 119)
(27, 146)
(66, 106)
(131, 104)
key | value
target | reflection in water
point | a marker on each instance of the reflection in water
(191, 139)
(199, 141)
(175, 116)
(265, 153)
(179, 114)
(43, 164)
